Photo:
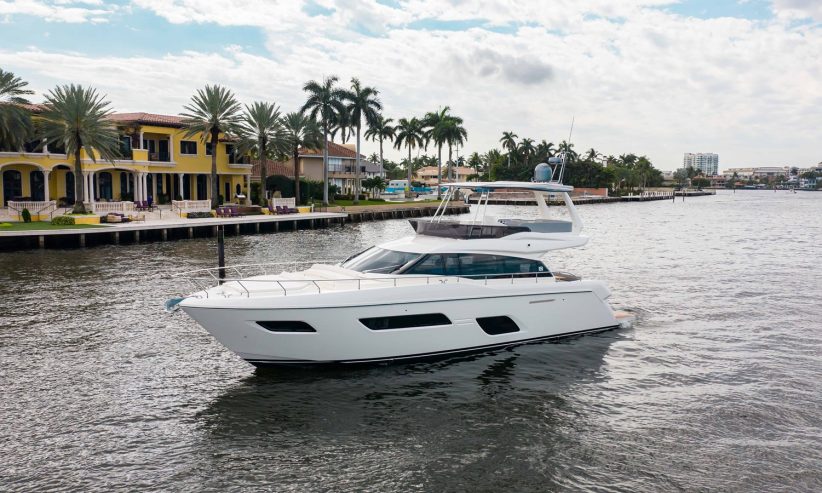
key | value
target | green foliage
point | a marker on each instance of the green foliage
(700, 182)
(198, 215)
(312, 190)
(62, 221)
(26, 215)
(5, 225)
(15, 120)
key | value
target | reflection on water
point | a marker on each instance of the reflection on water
(716, 389)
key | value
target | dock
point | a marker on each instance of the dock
(177, 228)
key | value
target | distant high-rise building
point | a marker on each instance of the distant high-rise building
(707, 162)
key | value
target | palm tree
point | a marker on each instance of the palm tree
(435, 123)
(300, 131)
(455, 135)
(326, 101)
(545, 150)
(509, 141)
(78, 118)
(212, 111)
(262, 134)
(340, 123)
(381, 130)
(568, 149)
(15, 120)
(526, 147)
(409, 134)
(362, 103)
(591, 154)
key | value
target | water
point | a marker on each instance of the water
(717, 388)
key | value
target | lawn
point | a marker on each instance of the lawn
(39, 225)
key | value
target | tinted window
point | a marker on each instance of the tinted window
(431, 265)
(286, 326)
(379, 260)
(188, 147)
(497, 325)
(405, 321)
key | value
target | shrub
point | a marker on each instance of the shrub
(26, 216)
(5, 225)
(198, 215)
(62, 221)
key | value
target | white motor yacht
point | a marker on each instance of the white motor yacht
(452, 287)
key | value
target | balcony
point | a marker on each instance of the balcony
(161, 157)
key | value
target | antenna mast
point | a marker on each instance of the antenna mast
(565, 153)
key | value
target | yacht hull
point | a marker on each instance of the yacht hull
(400, 324)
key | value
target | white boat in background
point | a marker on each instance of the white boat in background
(452, 287)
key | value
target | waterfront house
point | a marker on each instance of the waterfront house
(156, 163)
(342, 162)
(428, 174)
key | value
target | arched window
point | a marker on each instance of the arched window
(36, 182)
(104, 178)
(12, 185)
(70, 187)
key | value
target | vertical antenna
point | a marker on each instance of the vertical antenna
(564, 153)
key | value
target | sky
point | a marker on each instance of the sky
(741, 78)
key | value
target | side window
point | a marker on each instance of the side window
(430, 265)
(522, 266)
(481, 265)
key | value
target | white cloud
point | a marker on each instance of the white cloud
(637, 79)
(69, 11)
(798, 9)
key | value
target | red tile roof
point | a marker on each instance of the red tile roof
(148, 119)
(285, 168)
(334, 150)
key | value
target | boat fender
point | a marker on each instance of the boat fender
(173, 304)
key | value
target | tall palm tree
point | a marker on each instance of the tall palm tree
(409, 134)
(362, 103)
(15, 120)
(568, 149)
(263, 135)
(455, 135)
(300, 131)
(591, 154)
(435, 123)
(526, 147)
(509, 141)
(545, 149)
(76, 118)
(381, 130)
(326, 102)
(341, 123)
(212, 111)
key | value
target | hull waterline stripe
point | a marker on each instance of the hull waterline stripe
(377, 304)
(472, 349)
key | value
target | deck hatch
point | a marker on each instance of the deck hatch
(497, 325)
(405, 321)
(286, 326)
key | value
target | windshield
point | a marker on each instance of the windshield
(379, 260)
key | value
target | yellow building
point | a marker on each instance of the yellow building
(157, 164)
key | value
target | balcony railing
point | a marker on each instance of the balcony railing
(162, 157)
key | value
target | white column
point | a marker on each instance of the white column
(248, 189)
(144, 185)
(85, 186)
(46, 185)
(182, 190)
(90, 187)
(171, 152)
(141, 140)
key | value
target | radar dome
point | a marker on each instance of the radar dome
(543, 172)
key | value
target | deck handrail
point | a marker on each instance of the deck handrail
(209, 278)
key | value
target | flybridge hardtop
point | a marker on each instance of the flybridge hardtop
(452, 287)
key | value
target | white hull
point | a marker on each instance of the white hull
(540, 310)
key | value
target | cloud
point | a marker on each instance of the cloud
(58, 10)
(637, 78)
(798, 9)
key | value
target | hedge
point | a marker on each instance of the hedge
(62, 221)
(198, 215)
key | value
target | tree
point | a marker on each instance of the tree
(362, 104)
(435, 123)
(79, 118)
(263, 135)
(526, 147)
(455, 135)
(15, 119)
(213, 111)
(326, 102)
(381, 130)
(409, 134)
(568, 149)
(509, 141)
(300, 131)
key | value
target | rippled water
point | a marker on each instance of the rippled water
(718, 387)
